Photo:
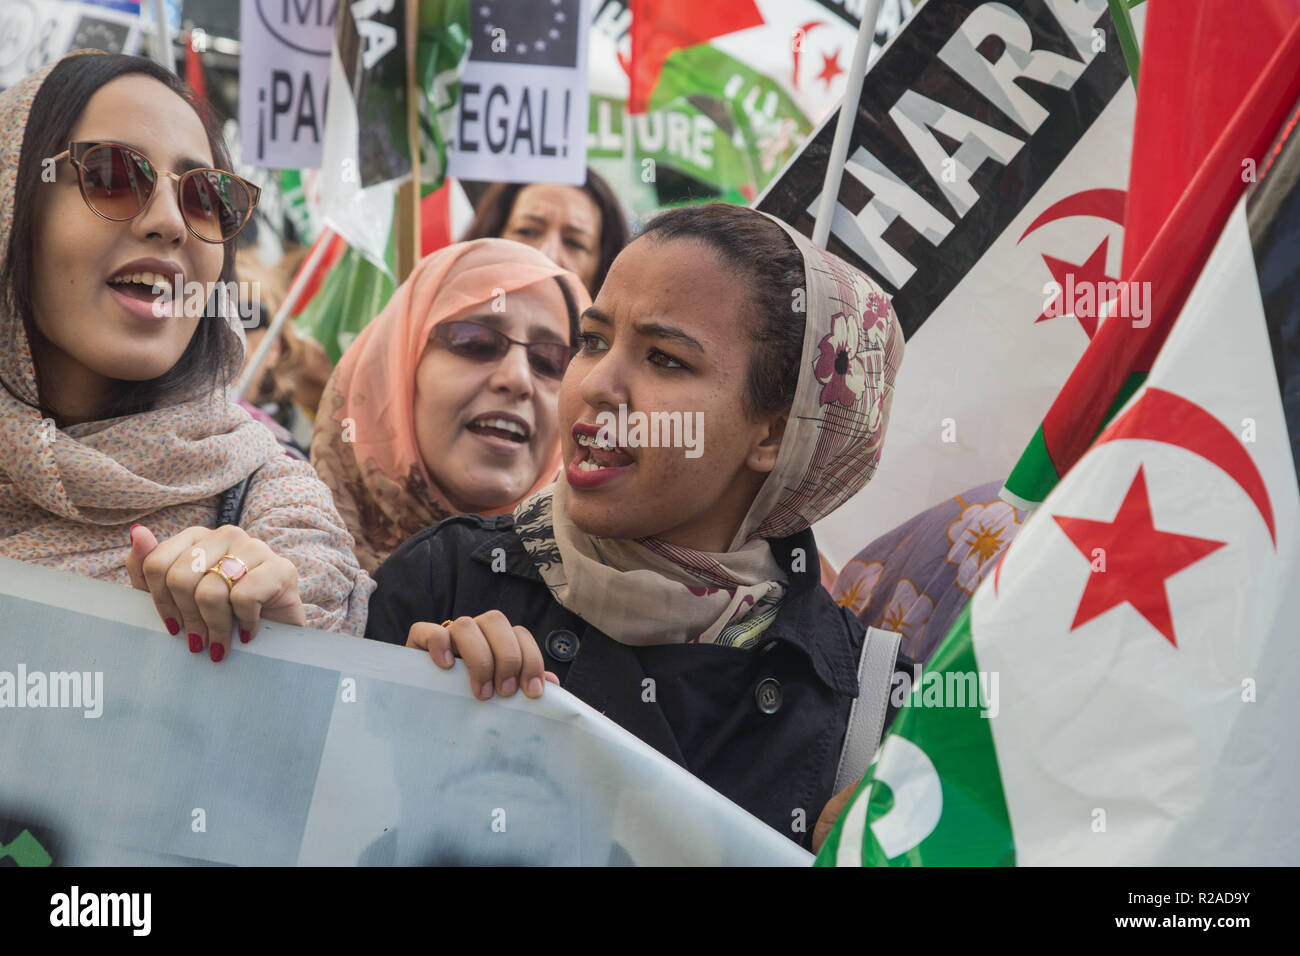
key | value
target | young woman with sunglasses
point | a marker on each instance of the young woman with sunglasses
(118, 438)
(679, 593)
(446, 402)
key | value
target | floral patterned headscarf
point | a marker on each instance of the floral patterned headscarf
(650, 592)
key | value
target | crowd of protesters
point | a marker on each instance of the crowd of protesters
(462, 425)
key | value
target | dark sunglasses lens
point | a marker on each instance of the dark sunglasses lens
(116, 181)
(549, 358)
(472, 341)
(215, 204)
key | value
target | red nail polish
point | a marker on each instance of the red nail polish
(196, 644)
(172, 627)
(216, 652)
(130, 534)
(245, 636)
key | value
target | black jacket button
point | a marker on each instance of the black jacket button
(768, 695)
(562, 645)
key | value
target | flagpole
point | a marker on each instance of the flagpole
(161, 47)
(1128, 42)
(408, 194)
(307, 270)
(844, 127)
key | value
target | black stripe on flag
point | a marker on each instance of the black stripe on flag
(1273, 212)
(911, 63)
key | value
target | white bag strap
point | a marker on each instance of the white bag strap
(867, 716)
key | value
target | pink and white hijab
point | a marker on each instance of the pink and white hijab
(647, 591)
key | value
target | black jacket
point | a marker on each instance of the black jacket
(764, 727)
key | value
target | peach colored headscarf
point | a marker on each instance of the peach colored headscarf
(364, 446)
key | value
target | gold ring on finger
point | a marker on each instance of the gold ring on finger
(229, 568)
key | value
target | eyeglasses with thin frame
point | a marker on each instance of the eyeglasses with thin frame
(480, 343)
(117, 183)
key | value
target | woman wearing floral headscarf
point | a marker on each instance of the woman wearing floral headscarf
(118, 440)
(676, 589)
(446, 402)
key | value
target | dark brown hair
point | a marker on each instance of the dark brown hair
(571, 308)
(493, 212)
(212, 358)
(760, 252)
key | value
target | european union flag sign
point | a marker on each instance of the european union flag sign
(540, 33)
(523, 97)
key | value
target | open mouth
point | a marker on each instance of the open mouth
(141, 285)
(501, 427)
(595, 454)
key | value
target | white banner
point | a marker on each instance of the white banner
(523, 96)
(284, 62)
(120, 747)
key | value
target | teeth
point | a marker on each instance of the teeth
(592, 441)
(590, 465)
(502, 424)
(144, 278)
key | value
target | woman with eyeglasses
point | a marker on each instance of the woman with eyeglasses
(122, 454)
(446, 402)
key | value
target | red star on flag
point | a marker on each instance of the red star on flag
(1138, 556)
(1092, 271)
(830, 68)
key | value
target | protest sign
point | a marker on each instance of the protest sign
(283, 73)
(988, 160)
(119, 747)
(523, 95)
(36, 32)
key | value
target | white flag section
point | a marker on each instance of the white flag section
(284, 68)
(120, 747)
(807, 45)
(1144, 622)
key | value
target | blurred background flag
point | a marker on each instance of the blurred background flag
(721, 95)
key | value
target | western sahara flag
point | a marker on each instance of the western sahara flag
(1138, 638)
(1160, 270)
(988, 158)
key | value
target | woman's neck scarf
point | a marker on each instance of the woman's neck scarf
(67, 495)
(647, 591)
(364, 446)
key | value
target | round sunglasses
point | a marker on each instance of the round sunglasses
(482, 344)
(117, 182)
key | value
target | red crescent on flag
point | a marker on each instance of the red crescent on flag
(1102, 203)
(1165, 417)
(795, 49)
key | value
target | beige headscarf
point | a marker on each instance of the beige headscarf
(364, 446)
(69, 496)
(649, 592)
